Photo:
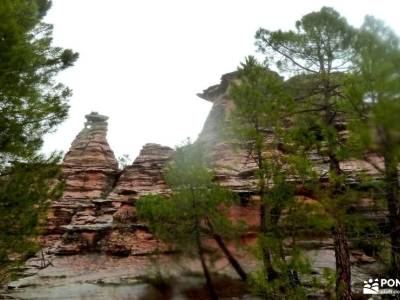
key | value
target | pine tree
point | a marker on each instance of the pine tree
(257, 126)
(374, 92)
(194, 212)
(32, 103)
(26, 190)
(320, 50)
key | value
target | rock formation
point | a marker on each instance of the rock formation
(236, 171)
(233, 168)
(96, 211)
(144, 176)
(90, 167)
(89, 170)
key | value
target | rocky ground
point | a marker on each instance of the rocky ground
(100, 276)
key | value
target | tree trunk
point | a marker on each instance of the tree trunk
(200, 251)
(210, 286)
(232, 260)
(343, 280)
(270, 273)
(393, 202)
(342, 253)
(266, 254)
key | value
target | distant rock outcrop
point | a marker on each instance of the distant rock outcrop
(90, 167)
(96, 211)
(235, 170)
(233, 167)
(89, 170)
(144, 176)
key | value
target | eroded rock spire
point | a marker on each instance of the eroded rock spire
(97, 210)
(89, 170)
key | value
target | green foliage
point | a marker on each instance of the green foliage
(259, 122)
(374, 94)
(318, 53)
(25, 191)
(195, 210)
(329, 277)
(346, 92)
(195, 203)
(321, 43)
(374, 91)
(320, 48)
(31, 102)
(281, 286)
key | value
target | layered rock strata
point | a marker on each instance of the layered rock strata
(235, 170)
(233, 167)
(97, 211)
(144, 176)
(89, 170)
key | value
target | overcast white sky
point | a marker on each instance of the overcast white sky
(142, 62)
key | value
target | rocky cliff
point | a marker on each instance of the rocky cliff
(233, 167)
(144, 176)
(96, 211)
(89, 170)
(235, 170)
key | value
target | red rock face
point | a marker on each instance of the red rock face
(145, 175)
(96, 211)
(90, 170)
(235, 170)
(233, 167)
(90, 167)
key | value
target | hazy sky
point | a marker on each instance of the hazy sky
(142, 62)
